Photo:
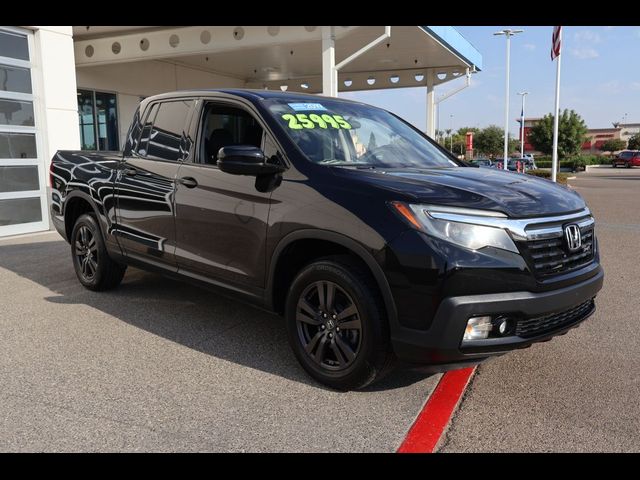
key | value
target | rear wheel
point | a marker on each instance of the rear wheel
(336, 324)
(94, 268)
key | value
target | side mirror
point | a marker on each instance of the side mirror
(246, 160)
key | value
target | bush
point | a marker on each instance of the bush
(560, 177)
(572, 164)
(575, 163)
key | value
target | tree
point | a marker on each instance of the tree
(634, 142)
(372, 142)
(463, 131)
(490, 141)
(571, 134)
(613, 145)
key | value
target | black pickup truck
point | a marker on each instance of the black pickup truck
(374, 242)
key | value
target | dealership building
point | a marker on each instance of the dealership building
(77, 87)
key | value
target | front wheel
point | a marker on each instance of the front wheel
(94, 268)
(336, 324)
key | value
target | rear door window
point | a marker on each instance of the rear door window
(168, 136)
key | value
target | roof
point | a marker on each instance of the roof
(452, 39)
(289, 56)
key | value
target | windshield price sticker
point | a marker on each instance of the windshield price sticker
(307, 107)
(302, 120)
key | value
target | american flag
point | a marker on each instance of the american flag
(555, 42)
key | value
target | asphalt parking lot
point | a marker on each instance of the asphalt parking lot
(159, 365)
(579, 392)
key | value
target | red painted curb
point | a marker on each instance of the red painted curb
(426, 431)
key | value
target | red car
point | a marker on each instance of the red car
(628, 158)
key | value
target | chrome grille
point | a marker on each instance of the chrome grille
(549, 256)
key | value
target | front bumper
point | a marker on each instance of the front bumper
(440, 346)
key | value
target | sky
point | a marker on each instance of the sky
(600, 79)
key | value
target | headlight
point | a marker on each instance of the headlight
(456, 225)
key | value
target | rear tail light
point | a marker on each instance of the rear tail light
(51, 174)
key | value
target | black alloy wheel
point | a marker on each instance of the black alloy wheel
(329, 325)
(337, 325)
(95, 269)
(86, 252)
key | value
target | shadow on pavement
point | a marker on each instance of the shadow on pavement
(180, 312)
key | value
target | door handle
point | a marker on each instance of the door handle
(188, 182)
(130, 172)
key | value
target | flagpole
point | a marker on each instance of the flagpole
(554, 158)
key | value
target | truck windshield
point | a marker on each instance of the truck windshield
(337, 133)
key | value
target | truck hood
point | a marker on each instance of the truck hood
(517, 195)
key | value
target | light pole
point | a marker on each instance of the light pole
(508, 33)
(524, 94)
(451, 133)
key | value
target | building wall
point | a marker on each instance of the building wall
(134, 80)
(596, 137)
(54, 79)
(629, 130)
(47, 83)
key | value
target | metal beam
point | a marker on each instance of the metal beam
(367, 47)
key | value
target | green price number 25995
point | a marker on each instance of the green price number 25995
(302, 120)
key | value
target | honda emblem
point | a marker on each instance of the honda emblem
(573, 237)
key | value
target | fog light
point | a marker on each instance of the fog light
(503, 327)
(478, 328)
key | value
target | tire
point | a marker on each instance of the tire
(355, 349)
(94, 268)
(628, 165)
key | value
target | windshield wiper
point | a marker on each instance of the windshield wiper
(343, 163)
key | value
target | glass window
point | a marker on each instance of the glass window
(15, 79)
(107, 114)
(19, 178)
(166, 138)
(13, 45)
(20, 210)
(143, 145)
(225, 126)
(14, 112)
(346, 134)
(98, 120)
(18, 145)
(86, 120)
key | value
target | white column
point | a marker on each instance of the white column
(556, 119)
(54, 76)
(506, 109)
(329, 72)
(431, 102)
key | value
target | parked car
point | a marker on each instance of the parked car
(627, 158)
(483, 162)
(372, 253)
(525, 164)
